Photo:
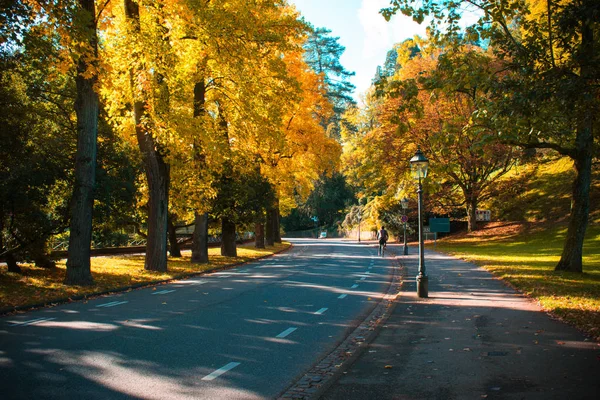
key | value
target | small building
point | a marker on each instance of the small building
(483, 215)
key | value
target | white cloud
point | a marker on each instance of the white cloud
(380, 35)
(376, 30)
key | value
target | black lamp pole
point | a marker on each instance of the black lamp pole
(419, 165)
(359, 216)
(404, 203)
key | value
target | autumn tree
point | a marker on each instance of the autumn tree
(322, 54)
(306, 152)
(86, 109)
(254, 92)
(550, 51)
(422, 106)
(72, 26)
(440, 100)
(137, 55)
(43, 129)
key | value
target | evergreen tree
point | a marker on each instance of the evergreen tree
(322, 54)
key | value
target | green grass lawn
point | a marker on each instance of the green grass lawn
(38, 285)
(525, 255)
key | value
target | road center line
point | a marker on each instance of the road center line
(342, 296)
(354, 286)
(363, 278)
(112, 304)
(164, 292)
(108, 304)
(220, 371)
(286, 332)
(31, 321)
(321, 311)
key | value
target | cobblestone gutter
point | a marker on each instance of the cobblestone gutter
(325, 372)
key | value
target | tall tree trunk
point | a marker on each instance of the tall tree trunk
(471, 213)
(276, 223)
(40, 256)
(11, 263)
(157, 171)
(200, 239)
(157, 176)
(259, 235)
(174, 248)
(572, 255)
(269, 231)
(82, 202)
(228, 245)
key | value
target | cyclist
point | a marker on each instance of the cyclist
(382, 237)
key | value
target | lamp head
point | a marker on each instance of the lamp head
(419, 165)
(404, 203)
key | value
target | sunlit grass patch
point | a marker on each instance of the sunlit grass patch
(38, 285)
(527, 260)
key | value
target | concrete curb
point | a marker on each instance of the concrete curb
(51, 303)
(326, 372)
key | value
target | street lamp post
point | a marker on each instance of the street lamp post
(404, 203)
(359, 216)
(419, 165)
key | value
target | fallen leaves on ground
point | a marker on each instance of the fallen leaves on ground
(39, 285)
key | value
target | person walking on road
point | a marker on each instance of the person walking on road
(382, 237)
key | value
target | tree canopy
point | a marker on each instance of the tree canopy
(549, 55)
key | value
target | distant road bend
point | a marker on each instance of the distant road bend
(243, 333)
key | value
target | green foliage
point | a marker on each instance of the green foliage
(32, 198)
(117, 182)
(242, 197)
(329, 200)
(297, 220)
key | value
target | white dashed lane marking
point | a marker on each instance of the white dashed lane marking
(321, 311)
(342, 296)
(163, 292)
(31, 322)
(112, 304)
(286, 332)
(220, 371)
(354, 286)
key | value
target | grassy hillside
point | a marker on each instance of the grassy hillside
(540, 191)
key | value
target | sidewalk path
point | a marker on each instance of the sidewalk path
(473, 338)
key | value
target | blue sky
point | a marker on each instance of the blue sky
(362, 30)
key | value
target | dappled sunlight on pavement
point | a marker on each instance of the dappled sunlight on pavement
(473, 338)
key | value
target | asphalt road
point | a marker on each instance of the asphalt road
(243, 333)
